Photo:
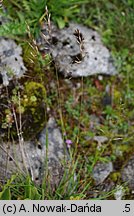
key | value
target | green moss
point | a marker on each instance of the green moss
(34, 94)
(34, 104)
(115, 176)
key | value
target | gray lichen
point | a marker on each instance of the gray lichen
(95, 58)
(48, 154)
(11, 62)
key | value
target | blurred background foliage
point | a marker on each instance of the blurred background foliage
(113, 19)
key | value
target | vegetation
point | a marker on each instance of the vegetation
(114, 20)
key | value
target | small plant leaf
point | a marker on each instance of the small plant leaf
(5, 194)
(61, 23)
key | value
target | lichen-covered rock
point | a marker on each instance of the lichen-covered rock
(25, 159)
(56, 151)
(11, 62)
(101, 171)
(48, 153)
(103, 188)
(66, 53)
(128, 173)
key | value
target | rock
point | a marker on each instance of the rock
(100, 139)
(119, 193)
(57, 153)
(101, 171)
(11, 62)
(94, 122)
(37, 158)
(12, 162)
(128, 173)
(103, 189)
(66, 53)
